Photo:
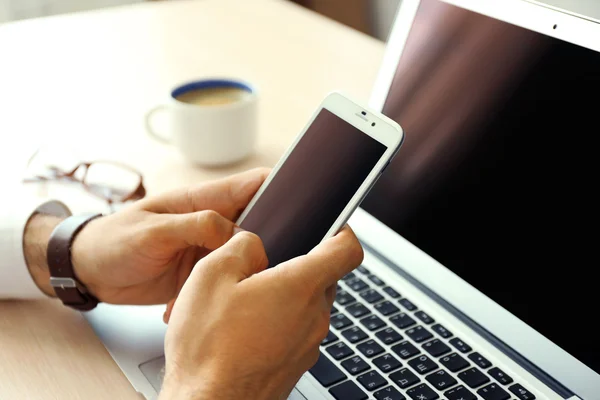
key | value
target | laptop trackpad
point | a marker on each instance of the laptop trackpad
(296, 395)
(154, 371)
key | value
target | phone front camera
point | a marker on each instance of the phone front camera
(373, 124)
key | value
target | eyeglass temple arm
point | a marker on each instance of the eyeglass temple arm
(138, 193)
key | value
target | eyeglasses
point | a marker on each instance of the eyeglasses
(111, 181)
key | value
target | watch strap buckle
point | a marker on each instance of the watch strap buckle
(63, 283)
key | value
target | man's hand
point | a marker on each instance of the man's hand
(235, 333)
(144, 253)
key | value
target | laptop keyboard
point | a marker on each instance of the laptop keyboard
(397, 351)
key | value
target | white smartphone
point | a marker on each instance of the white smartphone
(322, 177)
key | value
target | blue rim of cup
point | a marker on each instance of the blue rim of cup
(211, 83)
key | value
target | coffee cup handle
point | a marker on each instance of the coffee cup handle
(148, 121)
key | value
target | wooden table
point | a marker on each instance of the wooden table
(87, 79)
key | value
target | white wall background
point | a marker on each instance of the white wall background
(383, 13)
(11, 10)
(589, 8)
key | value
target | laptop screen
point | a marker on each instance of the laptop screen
(498, 176)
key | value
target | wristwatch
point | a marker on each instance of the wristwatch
(63, 280)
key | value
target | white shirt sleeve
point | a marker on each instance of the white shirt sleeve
(15, 212)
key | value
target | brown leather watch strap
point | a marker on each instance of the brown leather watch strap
(62, 275)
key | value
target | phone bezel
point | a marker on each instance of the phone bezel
(385, 131)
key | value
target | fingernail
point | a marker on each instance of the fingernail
(237, 229)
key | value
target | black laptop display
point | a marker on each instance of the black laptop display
(498, 177)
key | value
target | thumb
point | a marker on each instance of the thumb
(206, 229)
(329, 261)
(241, 257)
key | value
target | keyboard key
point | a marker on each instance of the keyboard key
(357, 310)
(441, 380)
(402, 320)
(500, 376)
(387, 363)
(350, 275)
(354, 334)
(436, 348)
(407, 304)
(338, 288)
(386, 308)
(440, 330)
(370, 348)
(389, 393)
(343, 298)
(388, 336)
(454, 362)
(363, 270)
(424, 317)
(357, 284)
(423, 364)
(422, 392)
(376, 280)
(340, 321)
(371, 296)
(460, 345)
(372, 322)
(372, 380)
(459, 393)
(480, 360)
(521, 392)
(355, 365)
(326, 372)
(493, 392)
(419, 334)
(405, 350)
(333, 310)
(404, 378)
(339, 350)
(329, 339)
(391, 292)
(348, 391)
(473, 377)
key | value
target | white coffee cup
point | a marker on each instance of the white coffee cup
(217, 129)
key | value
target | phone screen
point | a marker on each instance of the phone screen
(312, 187)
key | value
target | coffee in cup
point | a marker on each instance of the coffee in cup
(213, 96)
(212, 122)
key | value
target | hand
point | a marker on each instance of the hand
(238, 331)
(144, 253)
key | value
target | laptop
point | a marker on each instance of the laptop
(478, 278)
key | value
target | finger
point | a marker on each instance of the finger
(329, 261)
(241, 257)
(167, 313)
(343, 253)
(206, 229)
(228, 196)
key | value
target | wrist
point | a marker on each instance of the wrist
(208, 383)
(82, 256)
(174, 388)
(35, 248)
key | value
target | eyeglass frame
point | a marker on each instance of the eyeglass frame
(137, 194)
